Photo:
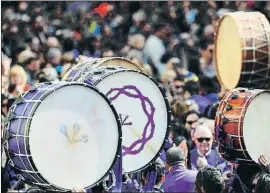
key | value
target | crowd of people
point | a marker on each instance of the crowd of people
(173, 41)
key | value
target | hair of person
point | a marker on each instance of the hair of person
(211, 110)
(208, 85)
(18, 71)
(210, 180)
(160, 25)
(189, 113)
(177, 141)
(263, 184)
(204, 43)
(192, 87)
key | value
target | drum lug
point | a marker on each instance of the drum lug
(235, 96)
(225, 120)
(229, 107)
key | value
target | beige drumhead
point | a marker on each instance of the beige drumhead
(228, 52)
(110, 61)
(123, 62)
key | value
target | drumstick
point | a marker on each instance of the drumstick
(135, 133)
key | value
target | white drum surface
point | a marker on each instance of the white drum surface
(256, 129)
(83, 156)
(131, 110)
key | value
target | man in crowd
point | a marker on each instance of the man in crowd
(204, 154)
(179, 178)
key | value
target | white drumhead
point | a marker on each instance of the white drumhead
(131, 108)
(257, 126)
(82, 162)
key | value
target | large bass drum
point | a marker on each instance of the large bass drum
(62, 135)
(243, 125)
(242, 50)
(143, 110)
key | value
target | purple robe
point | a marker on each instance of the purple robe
(180, 179)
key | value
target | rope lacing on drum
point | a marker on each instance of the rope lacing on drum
(107, 188)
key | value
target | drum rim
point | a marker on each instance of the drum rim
(230, 14)
(105, 59)
(35, 107)
(168, 108)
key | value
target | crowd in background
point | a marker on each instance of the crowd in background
(172, 40)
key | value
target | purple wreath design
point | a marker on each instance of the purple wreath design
(150, 117)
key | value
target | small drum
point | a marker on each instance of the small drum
(242, 50)
(143, 110)
(96, 62)
(62, 135)
(243, 125)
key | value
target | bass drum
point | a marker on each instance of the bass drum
(242, 50)
(85, 66)
(243, 125)
(142, 107)
(55, 136)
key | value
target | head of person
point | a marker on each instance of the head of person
(181, 142)
(209, 180)
(160, 171)
(108, 53)
(191, 119)
(33, 64)
(203, 139)
(191, 88)
(54, 56)
(206, 49)
(17, 76)
(175, 156)
(263, 184)
(208, 85)
(163, 30)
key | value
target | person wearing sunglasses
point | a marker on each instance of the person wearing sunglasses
(204, 150)
(191, 119)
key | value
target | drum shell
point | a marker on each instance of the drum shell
(233, 128)
(254, 33)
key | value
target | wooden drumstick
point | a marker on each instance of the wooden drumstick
(135, 133)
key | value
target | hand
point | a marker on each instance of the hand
(201, 162)
(264, 163)
(78, 189)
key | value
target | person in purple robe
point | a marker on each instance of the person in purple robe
(179, 178)
(204, 154)
(209, 180)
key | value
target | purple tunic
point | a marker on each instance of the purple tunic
(180, 179)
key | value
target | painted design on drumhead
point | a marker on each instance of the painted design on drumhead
(73, 136)
(133, 92)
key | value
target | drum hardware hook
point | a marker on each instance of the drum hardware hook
(235, 96)
(229, 107)
(225, 120)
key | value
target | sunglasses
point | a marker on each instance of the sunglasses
(201, 139)
(191, 122)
